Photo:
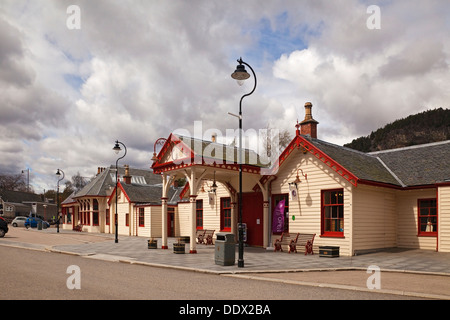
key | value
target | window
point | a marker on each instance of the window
(95, 213)
(69, 215)
(225, 214)
(141, 217)
(199, 214)
(127, 219)
(333, 213)
(275, 200)
(427, 214)
(107, 217)
(87, 213)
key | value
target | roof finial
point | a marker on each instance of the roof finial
(297, 126)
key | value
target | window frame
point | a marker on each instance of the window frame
(225, 220)
(141, 217)
(199, 214)
(421, 233)
(107, 217)
(324, 219)
(95, 213)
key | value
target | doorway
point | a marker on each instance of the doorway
(171, 222)
(252, 215)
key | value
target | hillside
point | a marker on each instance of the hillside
(425, 127)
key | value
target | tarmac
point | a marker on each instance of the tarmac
(405, 272)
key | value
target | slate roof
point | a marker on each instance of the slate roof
(363, 165)
(221, 152)
(149, 194)
(104, 183)
(418, 165)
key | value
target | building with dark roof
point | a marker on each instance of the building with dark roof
(93, 207)
(19, 203)
(357, 201)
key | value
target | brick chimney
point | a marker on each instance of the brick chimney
(309, 126)
(127, 177)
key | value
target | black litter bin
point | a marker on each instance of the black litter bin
(225, 250)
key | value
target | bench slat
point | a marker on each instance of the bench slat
(291, 240)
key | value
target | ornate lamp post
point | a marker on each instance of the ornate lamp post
(240, 75)
(58, 174)
(28, 178)
(117, 149)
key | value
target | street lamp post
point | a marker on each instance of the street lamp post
(117, 149)
(58, 174)
(28, 178)
(240, 75)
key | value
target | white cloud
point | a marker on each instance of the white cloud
(137, 70)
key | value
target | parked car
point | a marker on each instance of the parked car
(3, 227)
(33, 223)
(19, 222)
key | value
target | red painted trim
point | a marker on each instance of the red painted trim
(424, 233)
(222, 213)
(437, 220)
(230, 188)
(193, 251)
(184, 191)
(331, 234)
(301, 143)
(347, 175)
(164, 247)
(172, 141)
(114, 192)
(170, 166)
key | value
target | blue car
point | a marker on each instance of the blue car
(33, 223)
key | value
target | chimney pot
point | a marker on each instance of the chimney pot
(309, 126)
(127, 177)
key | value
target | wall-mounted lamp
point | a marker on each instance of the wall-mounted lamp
(297, 178)
(160, 141)
(214, 185)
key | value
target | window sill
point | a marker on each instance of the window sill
(431, 234)
(332, 235)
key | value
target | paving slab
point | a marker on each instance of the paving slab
(418, 273)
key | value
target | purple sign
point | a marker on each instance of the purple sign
(278, 217)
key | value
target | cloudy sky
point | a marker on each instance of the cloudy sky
(137, 70)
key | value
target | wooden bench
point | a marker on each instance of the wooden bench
(200, 236)
(306, 240)
(294, 239)
(209, 236)
(286, 239)
(78, 228)
(205, 236)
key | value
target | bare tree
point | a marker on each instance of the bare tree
(14, 182)
(269, 139)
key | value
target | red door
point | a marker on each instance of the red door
(252, 215)
(170, 222)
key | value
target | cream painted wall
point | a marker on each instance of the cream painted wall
(444, 218)
(408, 219)
(307, 210)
